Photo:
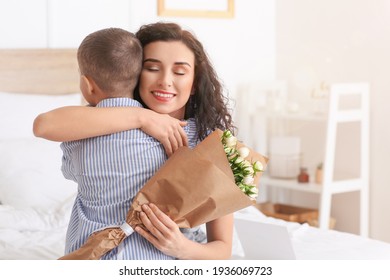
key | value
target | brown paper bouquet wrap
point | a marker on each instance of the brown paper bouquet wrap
(193, 187)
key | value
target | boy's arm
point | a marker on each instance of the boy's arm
(80, 122)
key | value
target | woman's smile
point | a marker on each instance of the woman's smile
(163, 96)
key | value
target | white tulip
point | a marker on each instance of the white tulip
(248, 180)
(231, 141)
(258, 166)
(229, 151)
(243, 152)
(254, 192)
(238, 160)
(249, 169)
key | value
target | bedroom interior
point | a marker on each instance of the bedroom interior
(41, 73)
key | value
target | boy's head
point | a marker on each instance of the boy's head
(110, 62)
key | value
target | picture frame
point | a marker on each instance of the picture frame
(203, 9)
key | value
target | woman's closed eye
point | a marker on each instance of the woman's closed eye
(156, 69)
(152, 65)
(152, 68)
(181, 70)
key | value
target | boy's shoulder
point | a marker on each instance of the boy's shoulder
(119, 102)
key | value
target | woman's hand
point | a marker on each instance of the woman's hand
(163, 233)
(166, 129)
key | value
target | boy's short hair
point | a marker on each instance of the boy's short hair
(112, 57)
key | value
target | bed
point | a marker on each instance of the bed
(35, 198)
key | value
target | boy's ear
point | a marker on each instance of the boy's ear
(88, 85)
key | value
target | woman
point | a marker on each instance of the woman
(177, 79)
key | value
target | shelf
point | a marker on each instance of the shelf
(291, 184)
(335, 115)
(299, 116)
(341, 186)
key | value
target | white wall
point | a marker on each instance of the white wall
(23, 23)
(57, 23)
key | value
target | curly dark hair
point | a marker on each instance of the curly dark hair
(208, 106)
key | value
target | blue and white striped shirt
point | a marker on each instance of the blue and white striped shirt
(109, 171)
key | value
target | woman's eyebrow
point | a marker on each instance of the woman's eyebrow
(183, 63)
(152, 60)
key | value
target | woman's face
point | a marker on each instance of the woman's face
(167, 77)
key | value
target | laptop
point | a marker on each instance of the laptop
(264, 241)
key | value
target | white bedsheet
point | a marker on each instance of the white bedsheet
(33, 235)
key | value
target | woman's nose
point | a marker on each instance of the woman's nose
(165, 80)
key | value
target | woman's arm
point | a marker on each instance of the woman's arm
(165, 235)
(80, 122)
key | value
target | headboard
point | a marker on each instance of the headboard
(41, 71)
(33, 81)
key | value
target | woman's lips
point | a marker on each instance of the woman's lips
(163, 95)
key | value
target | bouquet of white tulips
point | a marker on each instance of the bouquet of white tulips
(244, 171)
(193, 187)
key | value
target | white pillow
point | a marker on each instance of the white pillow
(18, 111)
(33, 219)
(30, 174)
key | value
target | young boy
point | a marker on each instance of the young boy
(110, 169)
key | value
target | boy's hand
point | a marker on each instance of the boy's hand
(166, 129)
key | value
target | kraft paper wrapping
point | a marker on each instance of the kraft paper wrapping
(193, 187)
